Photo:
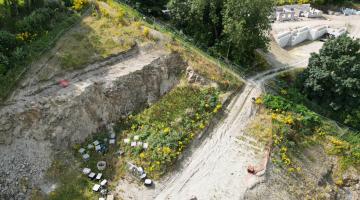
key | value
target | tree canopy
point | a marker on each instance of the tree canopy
(333, 75)
(231, 28)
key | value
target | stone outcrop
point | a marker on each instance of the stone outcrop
(51, 117)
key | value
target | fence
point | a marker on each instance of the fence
(189, 42)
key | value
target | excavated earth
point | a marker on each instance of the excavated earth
(42, 117)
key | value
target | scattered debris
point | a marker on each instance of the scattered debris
(101, 165)
(92, 175)
(104, 192)
(64, 83)
(140, 174)
(98, 176)
(96, 142)
(133, 144)
(139, 144)
(112, 141)
(90, 146)
(86, 171)
(110, 197)
(145, 145)
(103, 182)
(96, 188)
(251, 169)
(136, 137)
(148, 182)
(112, 136)
(86, 157)
(127, 141)
(82, 150)
(119, 153)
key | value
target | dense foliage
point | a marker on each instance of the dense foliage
(231, 28)
(227, 28)
(333, 78)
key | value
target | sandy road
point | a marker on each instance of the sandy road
(217, 169)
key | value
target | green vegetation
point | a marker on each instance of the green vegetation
(295, 127)
(228, 29)
(25, 33)
(332, 79)
(169, 126)
(328, 88)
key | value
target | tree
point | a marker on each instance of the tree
(333, 75)
(233, 28)
(246, 28)
(202, 19)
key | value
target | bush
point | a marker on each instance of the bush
(37, 22)
(79, 4)
(7, 42)
(4, 62)
(307, 118)
(146, 32)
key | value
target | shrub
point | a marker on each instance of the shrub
(7, 42)
(4, 62)
(307, 119)
(146, 32)
(37, 22)
(79, 4)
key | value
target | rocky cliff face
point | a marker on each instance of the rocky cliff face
(45, 116)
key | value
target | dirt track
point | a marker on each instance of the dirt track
(217, 168)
